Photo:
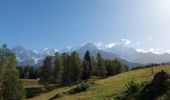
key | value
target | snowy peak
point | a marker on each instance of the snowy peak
(47, 51)
(111, 45)
(23, 54)
(109, 51)
(90, 46)
(67, 49)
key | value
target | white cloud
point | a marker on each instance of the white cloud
(126, 41)
(167, 51)
(153, 50)
(110, 45)
(141, 50)
(149, 38)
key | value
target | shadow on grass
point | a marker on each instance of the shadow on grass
(78, 89)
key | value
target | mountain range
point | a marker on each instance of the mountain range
(126, 55)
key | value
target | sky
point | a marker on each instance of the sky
(36, 24)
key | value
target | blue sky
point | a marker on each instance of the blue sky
(37, 24)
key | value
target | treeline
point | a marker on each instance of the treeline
(69, 69)
(29, 72)
(147, 66)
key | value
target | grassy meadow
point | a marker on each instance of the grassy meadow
(29, 83)
(103, 89)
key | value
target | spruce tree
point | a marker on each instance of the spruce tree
(110, 67)
(76, 68)
(87, 67)
(101, 67)
(47, 71)
(58, 68)
(119, 67)
(66, 77)
(94, 66)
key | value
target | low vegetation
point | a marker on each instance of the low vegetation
(153, 90)
(159, 86)
(32, 92)
(79, 88)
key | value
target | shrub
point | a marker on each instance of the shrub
(131, 90)
(157, 87)
(80, 88)
(31, 92)
(50, 88)
(132, 86)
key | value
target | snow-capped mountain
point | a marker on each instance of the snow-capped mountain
(107, 55)
(133, 55)
(29, 57)
(24, 54)
(47, 51)
(35, 58)
(129, 56)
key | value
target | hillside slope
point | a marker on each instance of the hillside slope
(106, 87)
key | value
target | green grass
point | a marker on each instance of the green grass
(104, 89)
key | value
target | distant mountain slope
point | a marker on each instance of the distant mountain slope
(24, 54)
(132, 55)
(29, 57)
(126, 55)
(107, 55)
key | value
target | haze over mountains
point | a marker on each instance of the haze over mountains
(129, 56)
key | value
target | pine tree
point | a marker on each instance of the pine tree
(110, 67)
(76, 68)
(66, 77)
(94, 66)
(118, 66)
(101, 67)
(87, 67)
(58, 68)
(47, 71)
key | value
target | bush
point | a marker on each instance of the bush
(131, 90)
(157, 87)
(50, 88)
(80, 88)
(132, 86)
(31, 92)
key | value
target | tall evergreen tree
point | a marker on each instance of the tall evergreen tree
(101, 67)
(94, 66)
(76, 68)
(66, 77)
(87, 67)
(110, 67)
(119, 67)
(58, 68)
(47, 71)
